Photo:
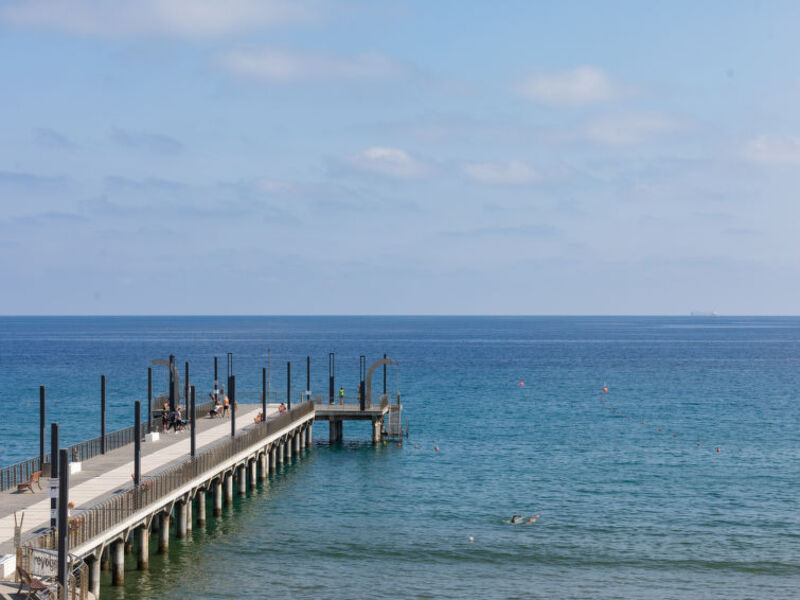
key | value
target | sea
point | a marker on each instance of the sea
(680, 481)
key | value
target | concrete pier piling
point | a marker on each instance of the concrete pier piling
(253, 474)
(118, 563)
(94, 575)
(143, 542)
(308, 436)
(189, 510)
(163, 532)
(273, 459)
(241, 477)
(263, 466)
(217, 486)
(180, 519)
(201, 508)
(279, 454)
(229, 488)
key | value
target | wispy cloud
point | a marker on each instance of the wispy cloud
(528, 231)
(570, 89)
(57, 217)
(183, 18)
(283, 66)
(774, 149)
(29, 180)
(50, 138)
(511, 173)
(622, 129)
(155, 143)
(389, 162)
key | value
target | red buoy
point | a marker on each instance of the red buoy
(718, 449)
(659, 428)
(605, 389)
(674, 435)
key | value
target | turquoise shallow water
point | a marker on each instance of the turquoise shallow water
(627, 511)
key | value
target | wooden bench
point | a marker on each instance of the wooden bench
(29, 484)
(34, 584)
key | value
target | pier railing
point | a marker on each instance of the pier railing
(91, 522)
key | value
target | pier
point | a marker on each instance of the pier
(128, 490)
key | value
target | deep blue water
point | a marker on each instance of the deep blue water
(627, 511)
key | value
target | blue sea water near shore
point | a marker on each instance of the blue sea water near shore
(627, 511)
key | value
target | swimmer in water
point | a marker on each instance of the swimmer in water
(516, 519)
(533, 518)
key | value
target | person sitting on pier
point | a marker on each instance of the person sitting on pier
(282, 408)
(215, 410)
(259, 418)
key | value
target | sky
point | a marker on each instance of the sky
(317, 157)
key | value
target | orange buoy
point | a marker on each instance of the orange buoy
(674, 435)
(659, 428)
(416, 447)
(605, 389)
(718, 450)
(436, 448)
(399, 445)
(521, 383)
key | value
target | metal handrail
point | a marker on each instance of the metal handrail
(93, 521)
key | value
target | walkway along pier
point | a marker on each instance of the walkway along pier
(121, 498)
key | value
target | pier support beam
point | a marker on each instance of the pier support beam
(377, 426)
(229, 488)
(253, 474)
(241, 479)
(332, 431)
(217, 498)
(104, 561)
(308, 435)
(94, 576)
(201, 508)
(189, 502)
(279, 453)
(288, 446)
(273, 459)
(143, 543)
(263, 465)
(129, 543)
(296, 443)
(163, 532)
(118, 563)
(180, 516)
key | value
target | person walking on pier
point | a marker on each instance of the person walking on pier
(341, 395)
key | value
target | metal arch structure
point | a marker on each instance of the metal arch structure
(375, 365)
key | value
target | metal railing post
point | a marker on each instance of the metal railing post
(63, 519)
(289, 385)
(331, 374)
(137, 443)
(149, 399)
(54, 448)
(41, 425)
(102, 414)
(232, 402)
(192, 416)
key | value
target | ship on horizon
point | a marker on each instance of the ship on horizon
(703, 313)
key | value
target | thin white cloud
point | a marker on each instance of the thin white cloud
(570, 89)
(283, 66)
(391, 162)
(182, 18)
(634, 128)
(768, 149)
(511, 173)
